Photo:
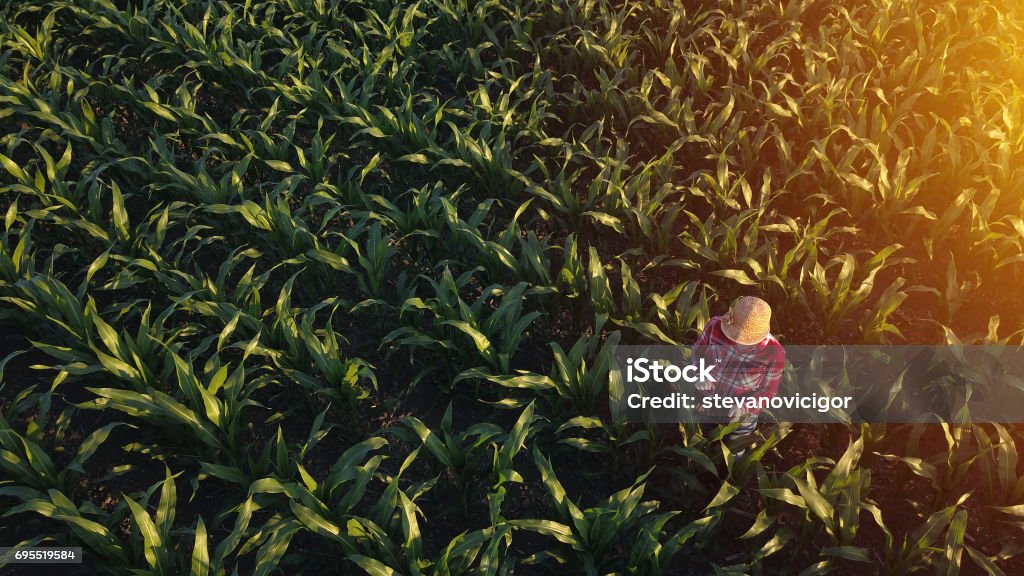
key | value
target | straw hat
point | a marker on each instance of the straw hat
(747, 321)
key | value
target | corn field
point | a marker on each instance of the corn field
(332, 287)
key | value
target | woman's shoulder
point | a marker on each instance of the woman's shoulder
(771, 342)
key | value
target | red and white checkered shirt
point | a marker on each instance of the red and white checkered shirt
(742, 369)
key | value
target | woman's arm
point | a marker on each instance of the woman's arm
(705, 340)
(769, 385)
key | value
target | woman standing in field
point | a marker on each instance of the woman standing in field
(749, 359)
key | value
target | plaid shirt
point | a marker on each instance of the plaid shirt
(742, 369)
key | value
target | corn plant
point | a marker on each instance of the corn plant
(591, 532)
(455, 450)
(836, 299)
(32, 467)
(917, 549)
(579, 378)
(374, 259)
(314, 357)
(495, 337)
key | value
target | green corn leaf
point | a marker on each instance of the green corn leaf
(725, 493)
(855, 553)
(815, 502)
(120, 215)
(153, 544)
(200, 552)
(556, 530)
(371, 566)
(955, 543)
(166, 509)
(271, 552)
